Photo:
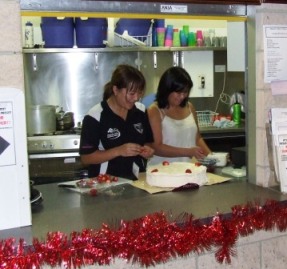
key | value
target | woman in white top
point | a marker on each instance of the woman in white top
(173, 120)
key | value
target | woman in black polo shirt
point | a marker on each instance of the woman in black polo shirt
(116, 133)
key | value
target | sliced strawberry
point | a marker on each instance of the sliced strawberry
(154, 170)
(165, 163)
(115, 179)
(188, 171)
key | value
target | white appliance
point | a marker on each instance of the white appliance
(15, 206)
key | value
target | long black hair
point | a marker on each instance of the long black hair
(174, 79)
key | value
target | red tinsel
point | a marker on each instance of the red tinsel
(148, 240)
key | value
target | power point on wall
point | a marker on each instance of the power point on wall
(201, 81)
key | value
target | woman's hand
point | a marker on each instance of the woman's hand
(147, 152)
(130, 149)
(197, 152)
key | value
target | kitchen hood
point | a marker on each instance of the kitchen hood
(93, 6)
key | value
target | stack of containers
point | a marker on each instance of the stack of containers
(58, 32)
(158, 32)
(170, 37)
(91, 32)
(176, 38)
(199, 38)
(168, 42)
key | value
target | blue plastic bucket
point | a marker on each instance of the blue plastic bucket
(91, 32)
(135, 27)
(58, 32)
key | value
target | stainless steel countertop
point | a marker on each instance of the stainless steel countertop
(67, 211)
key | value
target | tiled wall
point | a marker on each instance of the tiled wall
(11, 63)
(262, 249)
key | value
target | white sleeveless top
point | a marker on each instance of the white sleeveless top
(177, 133)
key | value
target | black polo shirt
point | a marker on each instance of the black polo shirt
(102, 129)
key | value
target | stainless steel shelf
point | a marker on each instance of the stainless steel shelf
(124, 7)
(120, 49)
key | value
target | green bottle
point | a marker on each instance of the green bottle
(236, 115)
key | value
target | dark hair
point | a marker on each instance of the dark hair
(125, 76)
(174, 79)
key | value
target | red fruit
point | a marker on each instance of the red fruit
(105, 178)
(188, 171)
(115, 179)
(93, 192)
(165, 163)
(100, 178)
(154, 170)
(197, 164)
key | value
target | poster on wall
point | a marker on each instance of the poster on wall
(275, 53)
(7, 147)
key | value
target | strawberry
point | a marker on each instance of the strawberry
(115, 179)
(154, 170)
(93, 192)
(188, 171)
(197, 164)
(165, 163)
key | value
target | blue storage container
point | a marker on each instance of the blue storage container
(91, 32)
(135, 27)
(58, 32)
(159, 23)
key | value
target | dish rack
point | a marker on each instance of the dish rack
(206, 118)
(125, 40)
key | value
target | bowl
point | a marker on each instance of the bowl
(220, 157)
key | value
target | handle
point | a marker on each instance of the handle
(54, 155)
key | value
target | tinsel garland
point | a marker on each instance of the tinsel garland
(148, 240)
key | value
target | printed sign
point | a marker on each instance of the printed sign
(275, 56)
(7, 146)
(173, 9)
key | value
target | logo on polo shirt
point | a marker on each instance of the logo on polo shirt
(139, 127)
(113, 133)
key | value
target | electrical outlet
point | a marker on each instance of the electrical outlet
(201, 81)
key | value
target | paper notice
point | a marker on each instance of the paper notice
(279, 87)
(275, 53)
(282, 161)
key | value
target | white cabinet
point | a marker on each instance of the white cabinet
(199, 65)
(236, 47)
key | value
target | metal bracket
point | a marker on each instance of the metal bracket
(96, 67)
(154, 59)
(35, 65)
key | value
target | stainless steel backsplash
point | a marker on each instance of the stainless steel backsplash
(75, 81)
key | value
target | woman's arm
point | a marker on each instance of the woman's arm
(199, 139)
(101, 156)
